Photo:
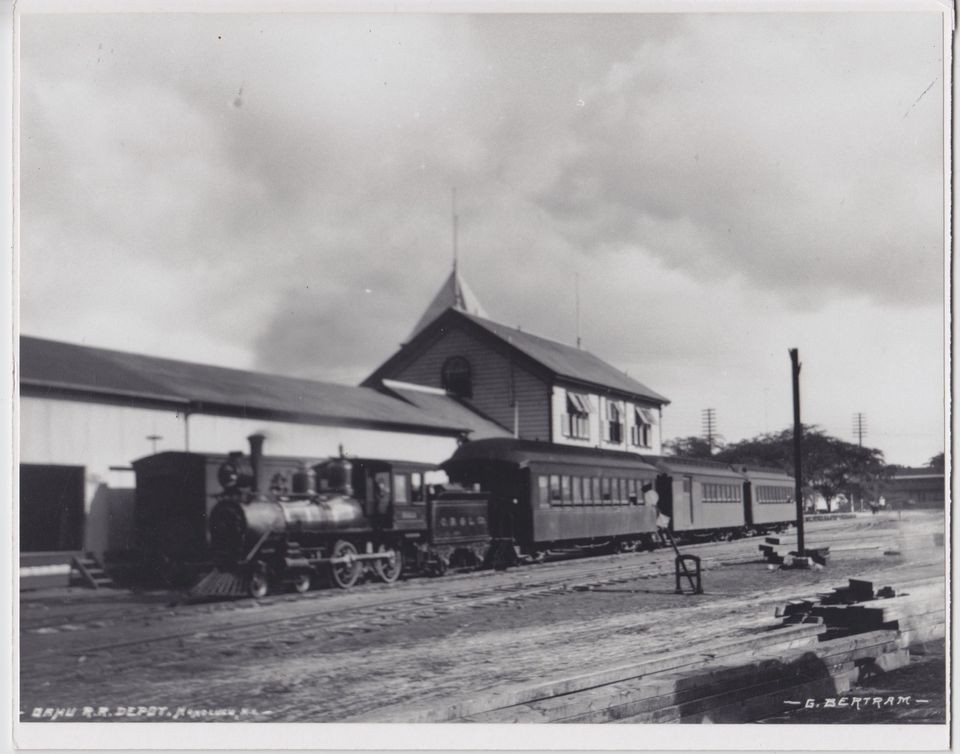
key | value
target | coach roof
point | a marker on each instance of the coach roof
(523, 453)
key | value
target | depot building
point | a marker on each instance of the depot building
(86, 413)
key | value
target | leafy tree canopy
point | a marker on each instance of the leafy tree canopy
(829, 465)
(936, 463)
(689, 447)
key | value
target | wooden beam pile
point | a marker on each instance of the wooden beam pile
(822, 647)
(811, 556)
(917, 614)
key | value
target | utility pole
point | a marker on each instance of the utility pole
(153, 440)
(859, 431)
(708, 418)
(797, 445)
(860, 427)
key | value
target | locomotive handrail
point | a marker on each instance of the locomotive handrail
(257, 546)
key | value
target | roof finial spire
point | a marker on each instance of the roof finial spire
(453, 208)
(576, 287)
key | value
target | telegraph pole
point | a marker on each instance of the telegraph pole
(797, 445)
(709, 425)
(860, 427)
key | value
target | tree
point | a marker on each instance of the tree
(936, 463)
(689, 447)
(829, 465)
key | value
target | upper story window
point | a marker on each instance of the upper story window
(614, 422)
(576, 422)
(641, 433)
(455, 377)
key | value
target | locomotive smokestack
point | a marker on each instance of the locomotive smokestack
(256, 458)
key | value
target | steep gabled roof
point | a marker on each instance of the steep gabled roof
(562, 361)
(53, 367)
(567, 361)
(455, 294)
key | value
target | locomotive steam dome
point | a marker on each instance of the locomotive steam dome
(337, 474)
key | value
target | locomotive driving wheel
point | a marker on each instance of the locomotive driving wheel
(258, 586)
(301, 582)
(388, 569)
(346, 572)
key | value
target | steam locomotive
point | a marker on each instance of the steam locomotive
(311, 519)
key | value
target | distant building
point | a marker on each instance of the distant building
(916, 487)
(537, 388)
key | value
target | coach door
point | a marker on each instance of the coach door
(686, 497)
(507, 500)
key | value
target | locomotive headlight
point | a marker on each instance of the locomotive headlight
(228, 475)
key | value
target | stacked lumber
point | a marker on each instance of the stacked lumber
(773, 640)
(822, 647)
(812, 556)
(919, 614)
(736, 688)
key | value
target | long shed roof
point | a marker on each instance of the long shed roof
(56, 366)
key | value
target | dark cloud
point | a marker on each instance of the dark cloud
(670, 161)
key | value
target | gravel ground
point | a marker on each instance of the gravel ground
(451, 647)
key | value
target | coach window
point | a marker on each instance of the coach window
(605, 486)
(455, 377)
(632, 488)
(595, 486)
(565, 489)
(416, 487)
(577, 484)
(555, 496)
(400, 489)
(543, 485)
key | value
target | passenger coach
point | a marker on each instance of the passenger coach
(702, 498)
(542, 493)
(770, 498)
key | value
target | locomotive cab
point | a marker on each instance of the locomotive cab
(393, 493)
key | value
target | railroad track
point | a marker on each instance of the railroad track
(277, 632)
(88, 617)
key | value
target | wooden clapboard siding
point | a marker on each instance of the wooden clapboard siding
(491, 374)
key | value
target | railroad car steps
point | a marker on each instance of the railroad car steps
(87, 571)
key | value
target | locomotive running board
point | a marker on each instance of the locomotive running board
(217, 584)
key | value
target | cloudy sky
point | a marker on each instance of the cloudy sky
(273, 192)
